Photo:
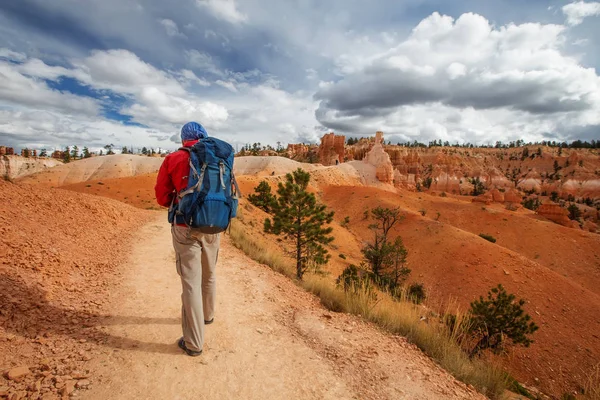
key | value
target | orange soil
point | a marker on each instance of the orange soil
(58, 256)
(453, 262)
(556, 269)
(137, 191)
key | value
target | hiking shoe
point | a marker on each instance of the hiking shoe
(189, 352)
(209, 322)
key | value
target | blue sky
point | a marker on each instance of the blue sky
(131, 72)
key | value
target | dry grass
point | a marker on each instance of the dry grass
(591, 388)
(404, 318)
(257, 251)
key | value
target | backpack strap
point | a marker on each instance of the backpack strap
(221, 173)
(235, 184)
(198, 185)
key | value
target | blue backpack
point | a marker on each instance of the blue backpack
(210, 199)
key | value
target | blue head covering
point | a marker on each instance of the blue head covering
(193, 131)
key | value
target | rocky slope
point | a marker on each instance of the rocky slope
(541, 175)
(14, 167)
(58, 254)
(113, 166)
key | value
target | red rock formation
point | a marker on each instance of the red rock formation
(590, 227)
(332, 149)
(497, 196)
(443, 182)
(297, 150)
(6, 151)
(512, 196)
(381, 160)
(483, 198)
(555, 213)
(57, 154)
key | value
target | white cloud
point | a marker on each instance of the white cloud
(11, 55)
(190, 76)
(312, 74)
(513, 80)
(578, 11)
(227, 85)
(171, 28)
(19, 89)
(52, 130)
(580, 42)
(158, 96)
(456, 70)
(201, 61)
(225, 10)
(155, 98)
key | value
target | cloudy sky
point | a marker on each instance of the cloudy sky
(131, 72)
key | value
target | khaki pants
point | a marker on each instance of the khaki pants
(196, 258)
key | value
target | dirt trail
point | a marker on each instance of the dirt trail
(270, 340)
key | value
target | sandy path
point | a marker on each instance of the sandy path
(270, 340)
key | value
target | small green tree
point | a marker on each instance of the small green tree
(574, 212)
(355, 279)
(498, 319)
(427, 182)
(298, 216)
(144, 151)
(556, 167)
(67, 155)
(263, 198)
(124, 150)
(86, 152)
(75, 153)
(386, 258)
(44, 153)
(109, 149)
(478, 187)
(416, 293)
(531, 204)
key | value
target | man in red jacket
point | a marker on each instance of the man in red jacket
(195, 252)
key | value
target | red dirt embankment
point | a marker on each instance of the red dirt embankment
(58, 252)
(455, 263)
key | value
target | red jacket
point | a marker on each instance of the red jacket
(173, 175)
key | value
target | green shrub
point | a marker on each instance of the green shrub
(489, 238)
(345, 222)
(498, 319)
(574, 212)
(263, 198)
(416, 293)
(531, 204)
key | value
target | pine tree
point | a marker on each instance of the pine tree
(144, 151)
(67, 155)
(386, 258)
(75, 153)
(478, 187)
(124, 150)
(574, 212)
(263, 198)
(86, 152)
(298, 217)
(499, 318)
(44, 153)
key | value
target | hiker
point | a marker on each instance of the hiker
(196, 241)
